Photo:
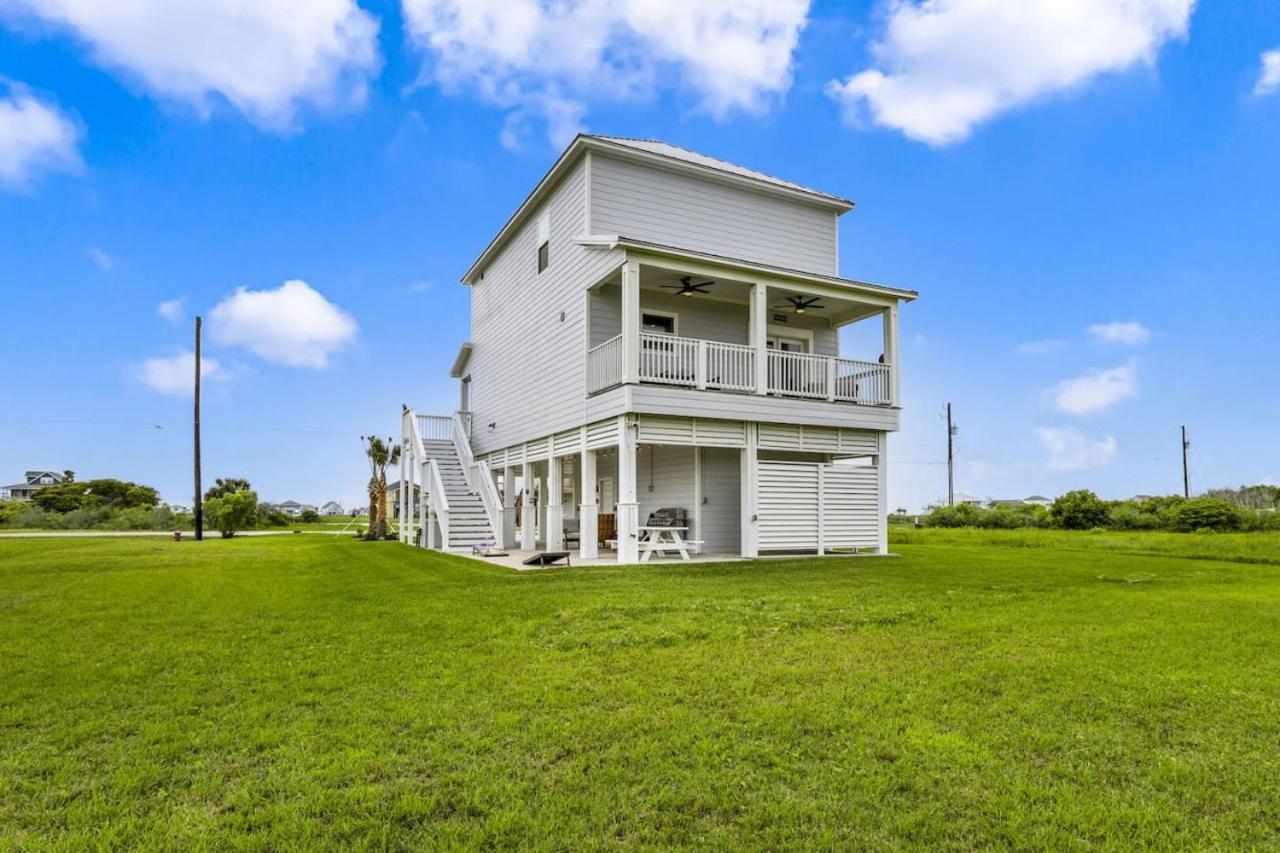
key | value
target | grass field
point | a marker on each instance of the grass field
(1006, 690)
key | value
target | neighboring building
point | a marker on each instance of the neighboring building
(33, 481)
(394, 497)
(293, 509)
(1038, 500)
(332, 508)
(179, 508)
(658, 329)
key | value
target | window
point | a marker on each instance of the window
(544, 242)
(658, 324)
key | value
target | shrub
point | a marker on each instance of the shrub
(1212, 514)
(1079, 510)
(232, 512)
(309, 516)
(960, 515)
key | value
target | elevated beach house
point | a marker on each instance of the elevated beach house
(663, 339)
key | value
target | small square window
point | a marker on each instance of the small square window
(544, 241)
(659, 324)
(544, 256)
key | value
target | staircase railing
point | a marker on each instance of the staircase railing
(439, 503)
(478, 478)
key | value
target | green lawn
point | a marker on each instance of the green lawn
(1005, 690)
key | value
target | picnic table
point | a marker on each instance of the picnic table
(663, 540)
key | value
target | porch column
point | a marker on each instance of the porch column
(404, 470)
(631, 322)
(527, 512)
(628, 507)
(891, 351)
(555, 501)
(508, 507)
(749, 486)
(588, 520)
(758, 320)
(882, 481)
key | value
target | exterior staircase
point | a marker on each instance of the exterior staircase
(468, 523)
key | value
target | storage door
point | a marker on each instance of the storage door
(850, 506)
(788, 506)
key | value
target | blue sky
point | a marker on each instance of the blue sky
(1086, 201)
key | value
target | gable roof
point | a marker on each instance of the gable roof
(656, 152)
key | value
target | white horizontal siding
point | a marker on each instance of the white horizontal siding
(807, 505)
(527, 365)
(851, 507)
(649, 203)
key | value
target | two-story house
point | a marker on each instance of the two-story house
(658, 329)
(33, 481)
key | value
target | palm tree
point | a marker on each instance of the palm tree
(381, 454)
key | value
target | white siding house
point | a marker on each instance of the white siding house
(657, 330)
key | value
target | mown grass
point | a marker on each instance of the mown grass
(309, 691)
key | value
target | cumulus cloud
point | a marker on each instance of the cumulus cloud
(35, 137)
(1269, 77)
(943, 67)
(549, 60)
(1130, 333)
(266, 58)
(176, 374)
(1096, 391)
(292, 325)
(1070, 450)
(171, 310)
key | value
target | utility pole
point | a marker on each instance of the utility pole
(951, 472)
(1186, 480)
(198, 506)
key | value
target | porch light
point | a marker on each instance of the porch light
(686, 293)
(799, 310)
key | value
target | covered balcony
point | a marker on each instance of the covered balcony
(664, 322)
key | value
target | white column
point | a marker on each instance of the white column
(541, 514)
(696, 533)
(750, 489)
(628, 506)
(631, 322)
(404, 466)
(891, 351)
(758, 320)
(555, 503)
(421, 471)
(527, 511)
(882, 466)
(508, 507)
(588, 519)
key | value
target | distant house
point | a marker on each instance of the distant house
(1034, 500)
(332, 508)
(393, 500)
(293, 509)
(33, 481)
(179, 508)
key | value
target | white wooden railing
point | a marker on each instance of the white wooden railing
(604, 365)
(694, 363)
(439, 504)
(435, 427)
(820, 377)
(479, 480)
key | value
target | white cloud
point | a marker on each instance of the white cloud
(35, 136)
(1093, 392)
(549, 60)
(292, 325)
(1130, 333)
(1070, 450)
(101, 259)
(176, 375)
(266, 58)
(1041, 347)
(945, 66)
(171, 310)
(1269, 77)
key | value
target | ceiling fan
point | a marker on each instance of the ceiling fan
(800, 304)
(686, 287)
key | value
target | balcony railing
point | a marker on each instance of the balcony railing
(693, 363)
